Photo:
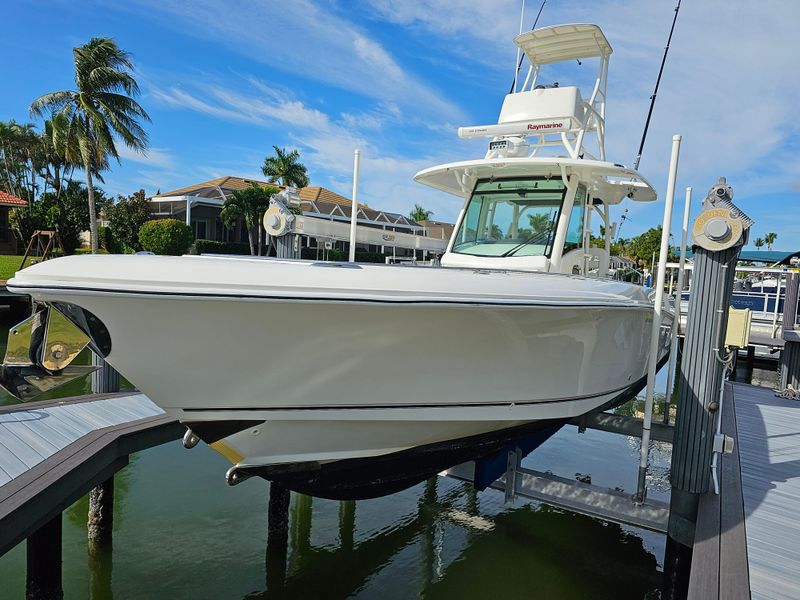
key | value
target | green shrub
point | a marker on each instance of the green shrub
(214, 247)
(166, 236)
(334, 254)
(107, 241)
(125, 217)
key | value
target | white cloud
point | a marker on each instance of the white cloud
(306, 39)
(153, 157)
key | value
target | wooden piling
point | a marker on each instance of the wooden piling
(347, 524)
(100, 523)
(44, 562)
(277, 537)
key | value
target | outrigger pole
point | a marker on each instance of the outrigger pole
(655, 91)
(521, 58)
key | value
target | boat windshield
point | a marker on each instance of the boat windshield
(511, 217)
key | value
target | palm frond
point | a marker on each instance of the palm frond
(50, 103)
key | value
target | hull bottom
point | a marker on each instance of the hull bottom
(376, 476)
(372, 477)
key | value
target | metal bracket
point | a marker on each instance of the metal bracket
(723, 444)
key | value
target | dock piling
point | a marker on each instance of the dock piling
(100, 522)
(44, 562)
(277, 536)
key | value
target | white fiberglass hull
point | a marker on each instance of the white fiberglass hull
(335, 363)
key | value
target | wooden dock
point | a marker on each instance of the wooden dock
(54, 452)
(747, 542)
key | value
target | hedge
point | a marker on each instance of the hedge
(166, 236)
(214, 247)
(335, 254)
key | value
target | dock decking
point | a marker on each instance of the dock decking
(769, 442)
(51, 453)
(747, 542)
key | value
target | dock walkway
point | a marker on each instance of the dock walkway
(54, 452)
(747, 542)
(769, 450)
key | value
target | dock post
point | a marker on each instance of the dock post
(43, 580)
(719, 233)
(100, 521)
(676, 321)
(790, 355)
(277, 536)
(105, 379)
(347, 524)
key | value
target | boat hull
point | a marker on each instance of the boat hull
(278, 383)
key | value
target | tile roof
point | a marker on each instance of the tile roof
(227, 183)
(11, 200)
(316, 193)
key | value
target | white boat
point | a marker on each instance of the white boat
(351, 380)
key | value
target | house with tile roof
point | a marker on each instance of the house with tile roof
(199, 205)
(8, 241)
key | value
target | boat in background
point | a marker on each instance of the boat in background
(350, 380)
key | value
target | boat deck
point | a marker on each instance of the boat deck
(748, 537)
(53, 452)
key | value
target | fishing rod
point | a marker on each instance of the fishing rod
(655, 91)
(521, 58)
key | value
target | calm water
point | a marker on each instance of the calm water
(181, 532)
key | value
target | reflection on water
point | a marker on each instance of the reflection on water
(181, 532)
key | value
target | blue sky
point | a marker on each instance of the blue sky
(224, 81)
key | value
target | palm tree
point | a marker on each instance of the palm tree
(758, 243)
(86, 120)
(248, 205)
(420, 214)
(769, 239)
(285, 168)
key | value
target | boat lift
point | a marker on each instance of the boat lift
(283, 223)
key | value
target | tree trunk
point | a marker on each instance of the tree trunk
(258, 229)
(92, 211)
(250, 239)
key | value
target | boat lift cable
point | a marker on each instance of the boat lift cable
(655, 91)
(521, 58)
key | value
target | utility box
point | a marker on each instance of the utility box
(738, 333)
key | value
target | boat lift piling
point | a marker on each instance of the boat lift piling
(719, 233)
(652, 366)
(354, 207)
(676, 322)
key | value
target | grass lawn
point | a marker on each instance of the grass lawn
(9, 264)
